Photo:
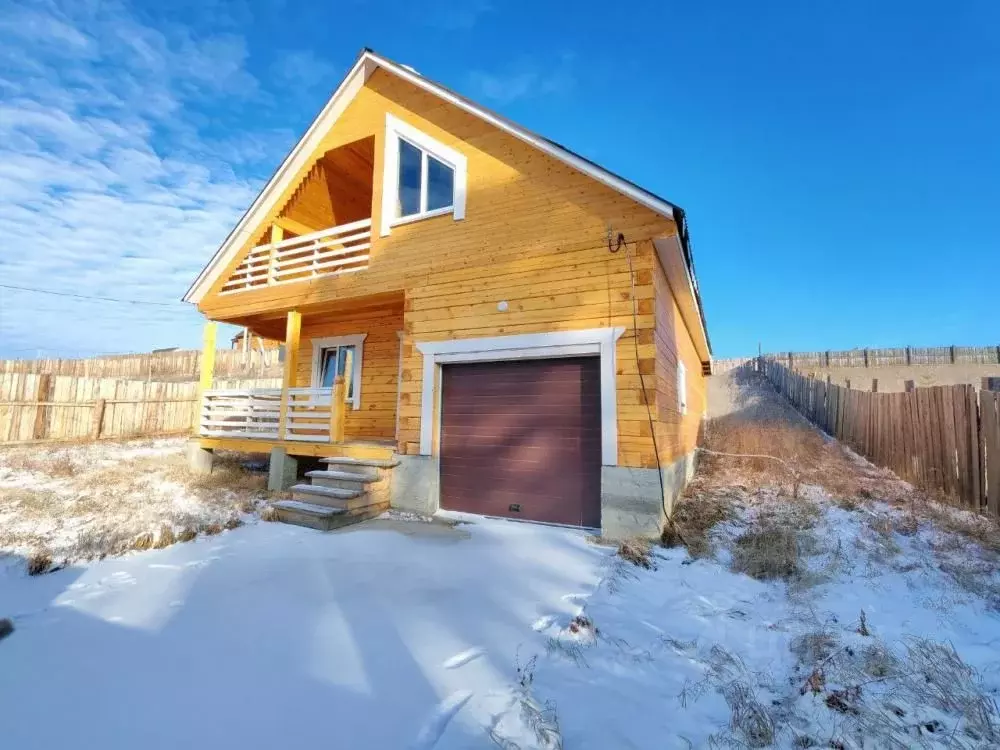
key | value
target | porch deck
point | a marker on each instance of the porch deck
(349, 448)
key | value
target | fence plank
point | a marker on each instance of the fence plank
(990, 416)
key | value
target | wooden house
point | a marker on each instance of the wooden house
(474, 318)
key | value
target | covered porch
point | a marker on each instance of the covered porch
(339, 391)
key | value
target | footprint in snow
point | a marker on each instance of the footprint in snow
(463, 658)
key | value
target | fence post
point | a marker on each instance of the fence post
(866, 357)
(951, 350)
(848, 383)
(827, 357)
(790, 366)
(908, 386)
(991, 384)
(909, 357)
(97, 418)
(874, 385)
(42, 412)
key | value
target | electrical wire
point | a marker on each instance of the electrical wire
(642, 380)
(86, 296)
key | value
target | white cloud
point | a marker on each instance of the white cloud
(526, 79)
(115, 176)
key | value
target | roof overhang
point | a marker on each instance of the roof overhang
(367, 63)
(685, 291)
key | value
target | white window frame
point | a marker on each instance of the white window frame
(357, 340)
(599, 342)
(682, 405)
(396, 130)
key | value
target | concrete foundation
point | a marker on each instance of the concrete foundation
(283, 470)
(416, 484)
(199, 459)
(631, 502)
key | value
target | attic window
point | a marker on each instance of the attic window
(422, 177)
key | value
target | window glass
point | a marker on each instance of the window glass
(440, 184)
(409, 179)
(335, 363)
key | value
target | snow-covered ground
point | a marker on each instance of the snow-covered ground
(387, 635)
(492, 633)
(853, 615)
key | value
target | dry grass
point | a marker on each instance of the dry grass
(39, 562)
(638, 552)
(92, 500)
(694, 517)
(767, 551)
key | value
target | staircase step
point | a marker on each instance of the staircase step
(306, 514)
(347, 476)
(335, 493)
(301, 507)
(374, 463)
(324, 518)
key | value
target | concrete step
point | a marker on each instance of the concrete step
(333, 497)
(360, 465)
(306, 514)
(324, 518)
(346, 480)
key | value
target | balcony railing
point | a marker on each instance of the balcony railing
(329, 252)
(312, 414)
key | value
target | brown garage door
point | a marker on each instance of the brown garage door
(523, 439)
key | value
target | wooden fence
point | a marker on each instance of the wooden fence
(909, 355)
(163, 366)
(62, 407)
(945, 438)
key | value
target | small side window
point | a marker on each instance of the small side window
(682, 405)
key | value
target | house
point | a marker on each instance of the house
(244, 340)
(474, 318)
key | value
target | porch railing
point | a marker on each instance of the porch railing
(241, 413)
(328, 252)
(312, 414)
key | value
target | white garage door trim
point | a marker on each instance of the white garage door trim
(592, 341)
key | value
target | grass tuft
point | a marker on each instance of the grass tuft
(39, 562)
(186, 535)
(165, 538)
(638, 552)
(767, 552)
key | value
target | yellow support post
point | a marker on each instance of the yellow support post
(207, 367)
(338, 410)
(293, 327)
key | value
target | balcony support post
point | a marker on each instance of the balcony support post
(293, 328)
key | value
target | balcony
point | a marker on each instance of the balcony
(328, 252)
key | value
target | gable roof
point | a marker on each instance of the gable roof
(367, 63)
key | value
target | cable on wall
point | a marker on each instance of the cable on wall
(621, 243)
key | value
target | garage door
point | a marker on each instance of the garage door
(523, 439)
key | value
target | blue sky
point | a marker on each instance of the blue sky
(839, 162)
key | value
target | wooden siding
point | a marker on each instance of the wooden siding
(677, 434)
(535, 236)
(376, 419)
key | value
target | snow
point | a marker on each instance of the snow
(385, 635)
(415, 634)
